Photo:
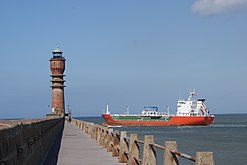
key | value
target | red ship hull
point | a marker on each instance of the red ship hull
(172, 121)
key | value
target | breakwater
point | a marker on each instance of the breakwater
(27, 142)
(135, 151)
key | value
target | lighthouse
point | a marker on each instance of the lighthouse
(57, 67)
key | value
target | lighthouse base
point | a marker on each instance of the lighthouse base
(53, 115)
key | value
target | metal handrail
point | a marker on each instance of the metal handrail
(183, 155)
(158, 146)
(139, 141)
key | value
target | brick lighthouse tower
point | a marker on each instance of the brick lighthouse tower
(57, 67)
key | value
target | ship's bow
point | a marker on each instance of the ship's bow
(107, 117)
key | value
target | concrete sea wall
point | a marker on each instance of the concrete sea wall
(27, 142)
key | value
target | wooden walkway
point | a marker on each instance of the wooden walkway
(78, 148)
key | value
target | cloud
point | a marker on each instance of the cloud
(213, 7)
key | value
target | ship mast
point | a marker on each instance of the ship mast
(107, 109)
(168, 110)
(127, 110)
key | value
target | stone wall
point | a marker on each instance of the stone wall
(27, 142)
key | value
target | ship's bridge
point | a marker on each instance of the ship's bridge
(151, 111)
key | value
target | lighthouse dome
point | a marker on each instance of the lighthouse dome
(57, 53)
(57, 50)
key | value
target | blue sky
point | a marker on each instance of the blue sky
(123, 53)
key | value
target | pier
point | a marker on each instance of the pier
(129, 150)
(78, 148)
(55, 141)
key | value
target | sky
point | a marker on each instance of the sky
(132, 53)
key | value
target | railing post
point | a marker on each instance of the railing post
(123, 148)
(110, 140)
(134, 151)
(83, 126)
(204, 158)
(98, 134)
(87, 127)
(170, 159)
(78, 124)
(90, 129)
(105, 142)
(93, 132)
(149, 153)
(102, 136)
(115, 151)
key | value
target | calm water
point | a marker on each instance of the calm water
(226, 138)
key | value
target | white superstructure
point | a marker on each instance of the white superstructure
(192, 106)
(152, 111)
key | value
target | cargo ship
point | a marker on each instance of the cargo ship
(190, 112)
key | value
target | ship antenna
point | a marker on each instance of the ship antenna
(192, 94)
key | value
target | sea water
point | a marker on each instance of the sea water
(226, 138)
